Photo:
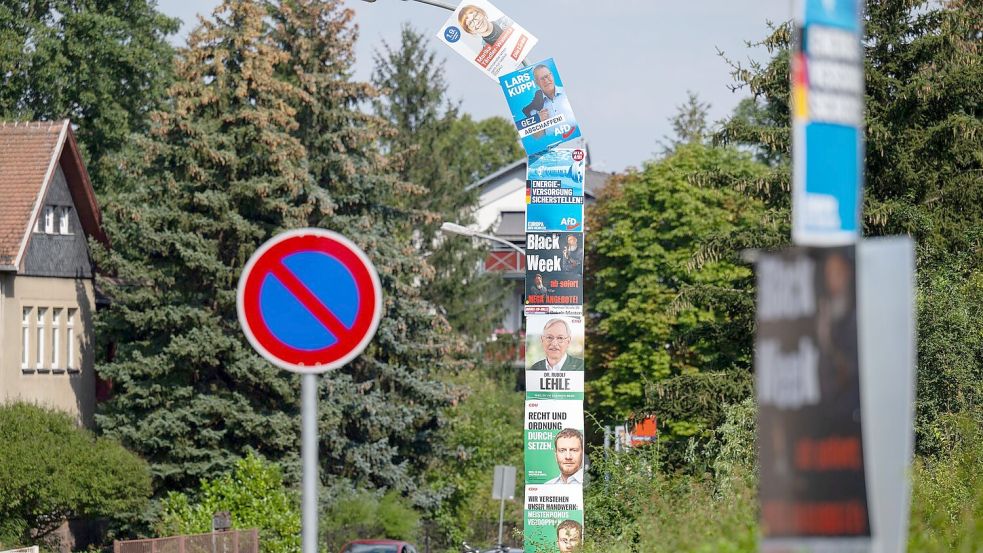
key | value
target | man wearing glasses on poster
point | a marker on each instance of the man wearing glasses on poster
(556, 339)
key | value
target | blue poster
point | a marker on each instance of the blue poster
(540, 107)
(555, 191)
(827, 123)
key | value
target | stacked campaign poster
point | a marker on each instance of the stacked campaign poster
(540, 107)
(488, 39)
(555, 190)
(554, 415)
(554, 518)
(555, 269)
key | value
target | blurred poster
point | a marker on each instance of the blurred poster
(812, 488)
(487, 38)
(554, 440)
(827, 71)
(554, 519)
(555, 268)
(540, 107)
(555, 190)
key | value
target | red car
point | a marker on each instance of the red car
(378, 546)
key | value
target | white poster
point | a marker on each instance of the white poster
(487, 38)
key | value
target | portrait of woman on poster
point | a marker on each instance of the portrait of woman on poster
(475, 21)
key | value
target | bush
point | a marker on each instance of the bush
(254, 496)
(51, 470)
(364, 515)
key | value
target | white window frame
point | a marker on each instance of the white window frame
(49, 219)
(64, 220)
(70, 342)
(42, 315)
(56, 337)
(25, 357)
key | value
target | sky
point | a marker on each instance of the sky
(626, 64)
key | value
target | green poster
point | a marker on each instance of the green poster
(554, 438)
(554, 518)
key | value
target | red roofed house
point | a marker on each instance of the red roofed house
(47, 297)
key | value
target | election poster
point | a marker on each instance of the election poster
(554, 518)
(554, 438)
(488, 39)
(554, 357)
(827, 122)
(812, 488)
(540, 107)
(555, 190)
(555, 268)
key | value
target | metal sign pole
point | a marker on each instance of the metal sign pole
(308, 451)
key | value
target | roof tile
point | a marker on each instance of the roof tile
(26, 151)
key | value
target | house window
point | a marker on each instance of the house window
(26, 339)
(49, 220)
(64, 216)
(42, 311)
(55, 337)
(70, 327)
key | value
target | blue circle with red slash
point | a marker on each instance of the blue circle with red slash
(309, 300)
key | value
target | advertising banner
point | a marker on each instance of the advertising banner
(555, 190)
(554, 518)
(827, 120)
(812, 488)
(555, 268)
(488, 39)
(554, 438)
(540, 107)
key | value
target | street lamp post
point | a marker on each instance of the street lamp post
(437, 3)
(454, 228)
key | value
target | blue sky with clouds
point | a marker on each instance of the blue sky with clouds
(626, 64)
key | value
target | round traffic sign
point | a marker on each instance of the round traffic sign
(309, 300)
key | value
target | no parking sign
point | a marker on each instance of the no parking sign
(309, 300)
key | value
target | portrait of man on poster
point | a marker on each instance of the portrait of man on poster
(569, 536)
(556, 340)
(569, 449)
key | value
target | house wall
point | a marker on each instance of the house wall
(58, 383)
(508, 194)
(57, 254)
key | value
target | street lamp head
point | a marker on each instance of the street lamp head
(454, 228)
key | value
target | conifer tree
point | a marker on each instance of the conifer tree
(219, 174)
(380, 415)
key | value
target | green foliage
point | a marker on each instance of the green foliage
(950, 347)
(673, 304)
(483, 430)
(50, 470)
(104, 64)
(255, 497)
(947, 498)
(364, 515)
(631, 506)
(441, 152)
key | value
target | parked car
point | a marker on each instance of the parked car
(378, 546)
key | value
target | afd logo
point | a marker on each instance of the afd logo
(564, 130)
(571, 223)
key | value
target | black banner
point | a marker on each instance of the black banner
(807, 380)
(555, 268)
